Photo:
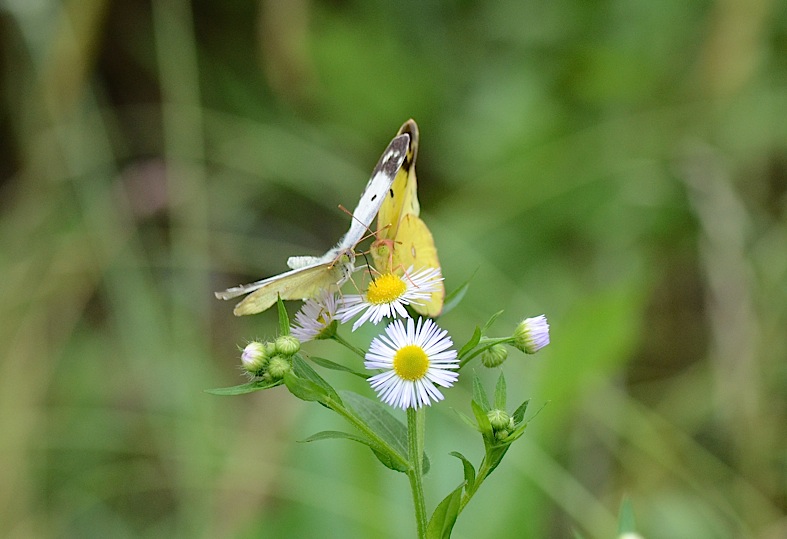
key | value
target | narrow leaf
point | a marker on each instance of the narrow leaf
(516, 434)
(490, 322)
(304, 370)
(467, 420)
(444, 516)
(519, 413)
(479, 394)
(472, 343)
(468, 469)
(242, 389)
(386, 459)
(483, 421)
(380, 420)
(305, 389)
(284, 320)
(500, 392)
(455, 297)
(328, 364)
(494, 456)
(336, 435)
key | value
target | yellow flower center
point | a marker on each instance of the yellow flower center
(410, 362)
(385, 289)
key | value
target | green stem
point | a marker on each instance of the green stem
(336, 337)
(415, 447)
(483, 471)
(485, 344)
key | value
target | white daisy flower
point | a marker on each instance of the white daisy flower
(388, 294)
(415, 358)
(314, 317)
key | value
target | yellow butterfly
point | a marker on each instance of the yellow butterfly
(309, 275)
(403, 239)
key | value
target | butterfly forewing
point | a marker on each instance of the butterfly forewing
(376, 190)
(402, 197)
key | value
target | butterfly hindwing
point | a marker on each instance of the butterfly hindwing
(415, 247)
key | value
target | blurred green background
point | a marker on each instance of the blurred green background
(619, 165)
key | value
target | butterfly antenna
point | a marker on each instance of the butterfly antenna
(369, 230)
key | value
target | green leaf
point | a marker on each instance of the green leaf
(519, 413)
(469, 470)
(516, 434)
(328, 364)
(336, 435)
(500, 392)
(379, 419)
(490, 322)
(444, 516)
(494, 456)
(626, 523)
(305, 389)
(455, 297)
(304, 370)
(386, 459)
(483, 421)
(472, 343)
(284, 320)
(479, 394)
(242, 389)
(467, 420)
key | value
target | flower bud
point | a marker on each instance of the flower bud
(287, 345)
(499, 419)
(254, 357)
(494, 356)
(532, 334)
(278, 366)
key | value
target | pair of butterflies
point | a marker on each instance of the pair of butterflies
(402, 238)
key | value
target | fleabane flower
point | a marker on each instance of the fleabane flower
(388, 294)
(315, 317)
(415, 358)
(532, 334)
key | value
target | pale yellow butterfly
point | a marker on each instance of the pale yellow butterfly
(403, 239)
(312, 274)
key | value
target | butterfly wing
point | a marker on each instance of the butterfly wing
(402, 197)
(400, 228)
(375, 192)
(415, 247)
(309, 275)
(302, 283)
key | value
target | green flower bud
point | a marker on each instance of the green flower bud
(278, 366)
(270, 349)
(494, 356)
(499, 419)
(254, 358)
(532, 334)
(287, 345)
